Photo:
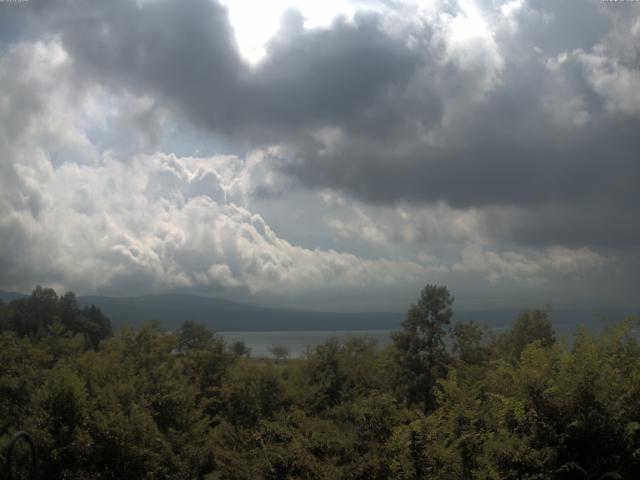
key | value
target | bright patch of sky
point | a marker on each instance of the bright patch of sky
(255, 23)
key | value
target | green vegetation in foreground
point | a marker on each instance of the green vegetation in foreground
(149, 404)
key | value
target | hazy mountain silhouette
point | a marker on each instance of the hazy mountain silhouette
(224, 315)
(8, 296)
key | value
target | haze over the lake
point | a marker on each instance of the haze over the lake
(331, 155)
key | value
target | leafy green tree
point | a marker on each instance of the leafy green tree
(470, 342)
(36, 315)
(240, 349)
(295, 445)
(326, 376)
(279, 352)
(88, 321)
(290, 445)
(61, 343)
(252, 393)
(363, 365)
(145, 403)
(95, 325)
(371, 421)
(421, 355)
(529, 327)
(193, 336)
(22, 365)
(31, 317)
(149, 421)
(59, 423)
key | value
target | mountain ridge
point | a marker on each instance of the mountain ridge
(222, 315)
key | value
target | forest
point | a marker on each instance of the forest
(444, 401)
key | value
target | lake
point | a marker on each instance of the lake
(298, 341)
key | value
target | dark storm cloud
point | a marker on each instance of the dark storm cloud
(412, 121)
(351, 75)
(571, 180)
(499, 155)
(326, 77)
(594, 226)
(184, 53)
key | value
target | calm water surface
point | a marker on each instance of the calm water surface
(298, 342)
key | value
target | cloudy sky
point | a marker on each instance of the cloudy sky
(333, 155)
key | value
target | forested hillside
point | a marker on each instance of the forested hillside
(444, 401)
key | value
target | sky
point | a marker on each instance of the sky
(334, 155)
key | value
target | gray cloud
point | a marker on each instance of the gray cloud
(521, 122)
(412, 116)
(326, 77)
(184, 53)
(542, 139)
(73, 217)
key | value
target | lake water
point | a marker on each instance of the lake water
(298, 342)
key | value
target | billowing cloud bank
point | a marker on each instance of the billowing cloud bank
(484, 144)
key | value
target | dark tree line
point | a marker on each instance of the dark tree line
(44, 313)
(443, 401)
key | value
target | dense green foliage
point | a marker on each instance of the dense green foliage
(442, 402)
